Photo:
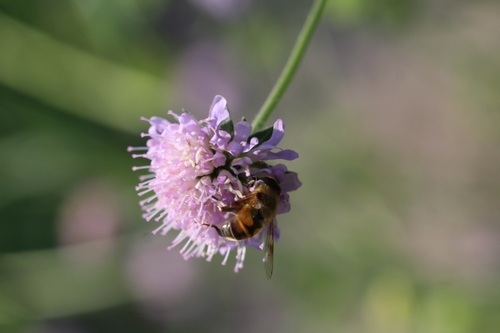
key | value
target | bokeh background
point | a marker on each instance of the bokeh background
(395, 112)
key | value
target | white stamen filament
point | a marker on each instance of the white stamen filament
(129, 149)
(226, 256)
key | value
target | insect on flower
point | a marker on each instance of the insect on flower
(253, 213)
(210, 180)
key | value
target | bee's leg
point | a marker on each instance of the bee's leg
(218, 201)
(215, 227)
(229, 208)
(222, 206)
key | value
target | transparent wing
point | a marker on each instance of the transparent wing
(269, 246)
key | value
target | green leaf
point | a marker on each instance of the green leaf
(263, 135)
(228, 126)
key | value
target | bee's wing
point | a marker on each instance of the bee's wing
(269, 246)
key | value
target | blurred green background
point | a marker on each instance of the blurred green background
(395, 112)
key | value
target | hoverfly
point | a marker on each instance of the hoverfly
(253, 213)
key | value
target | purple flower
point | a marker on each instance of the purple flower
(199, 166)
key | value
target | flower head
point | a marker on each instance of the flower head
(200, 166)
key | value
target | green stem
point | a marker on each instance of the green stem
(291, 65)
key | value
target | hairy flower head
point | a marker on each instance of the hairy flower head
(199, 166)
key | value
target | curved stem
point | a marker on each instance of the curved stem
(291, 65)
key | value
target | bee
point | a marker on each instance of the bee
(253, 213)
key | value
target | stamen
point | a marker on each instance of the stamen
(162, 215)
(162, 227)
(166, 229)
(211, 251)
(146, 177)
(240, 258)
(148, 200)
(130, 148)
(180, 237)
(226, 256)
(152, 214)
(191, 249)
(185, 246)
(135, 168)
(144, 192)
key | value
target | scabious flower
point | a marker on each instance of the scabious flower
(199, 166)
